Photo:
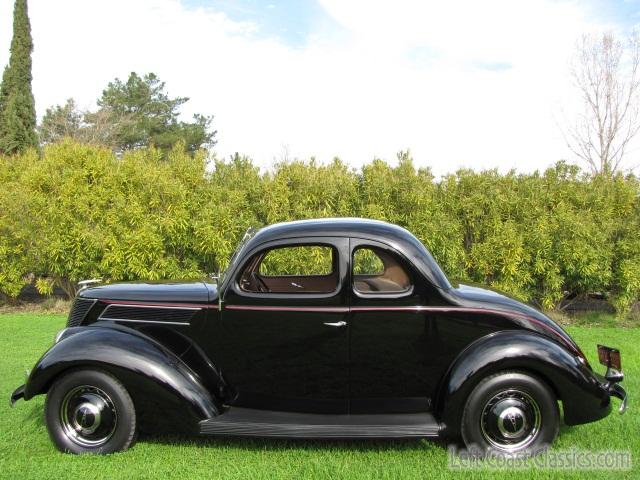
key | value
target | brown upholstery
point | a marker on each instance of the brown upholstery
(301, 284)
(361, 285)
(393, 279)
(252, 281)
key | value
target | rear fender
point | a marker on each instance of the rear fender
(581, 391)
(157, 379)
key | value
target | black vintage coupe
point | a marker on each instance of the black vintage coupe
(335, 328)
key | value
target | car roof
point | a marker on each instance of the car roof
(393, 235)
(340, 227)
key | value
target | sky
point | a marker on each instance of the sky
(460, 83)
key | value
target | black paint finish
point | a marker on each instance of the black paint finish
(581, 390)
(152, 373)
(187, 292)
(284, 359)
(189, 350)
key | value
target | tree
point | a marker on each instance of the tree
(17, 106)
(60, 121)
(96, 128)
(605, 73)
(152, 116)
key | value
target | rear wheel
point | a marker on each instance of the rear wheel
(90, 411)
(510, 412)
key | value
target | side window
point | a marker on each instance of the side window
(292, 269)
(377, 271)
(366, 262)
(300, 261)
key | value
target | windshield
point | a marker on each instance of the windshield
(251, 231)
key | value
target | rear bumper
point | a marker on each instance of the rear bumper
(593, 401)
(616, 390)
(17, 395)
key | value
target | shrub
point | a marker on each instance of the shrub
(78, 211)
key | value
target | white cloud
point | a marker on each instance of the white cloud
(368, 93)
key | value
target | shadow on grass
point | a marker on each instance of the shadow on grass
(278, 444)
(281, 444)
(564, 428)
(34, 417)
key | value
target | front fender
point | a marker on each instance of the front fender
(582, 392)
(154, 376)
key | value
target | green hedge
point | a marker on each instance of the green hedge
(75, 211)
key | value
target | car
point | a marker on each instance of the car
(323, 329)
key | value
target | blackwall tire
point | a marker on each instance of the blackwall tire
(512, 413)
(90, 411)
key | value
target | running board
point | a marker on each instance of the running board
(246, 422)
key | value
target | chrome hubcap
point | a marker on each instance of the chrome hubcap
(510, 420)
(88, 416)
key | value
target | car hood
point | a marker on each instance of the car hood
(469, 296)
(188, 292)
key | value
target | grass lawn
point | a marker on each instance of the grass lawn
(26, 452)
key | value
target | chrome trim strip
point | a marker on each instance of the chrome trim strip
(142, 321)
(134, 303)
(288, 309)
(417, 308)
(149, 306)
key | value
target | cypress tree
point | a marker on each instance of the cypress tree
(17, 106)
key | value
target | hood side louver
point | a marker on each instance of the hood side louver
(81, 307)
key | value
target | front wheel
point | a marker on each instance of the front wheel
(90, 411)
(510, 412)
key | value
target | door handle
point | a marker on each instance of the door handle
(339, 324)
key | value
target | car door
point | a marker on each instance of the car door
(393, 342)
(282, 338)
